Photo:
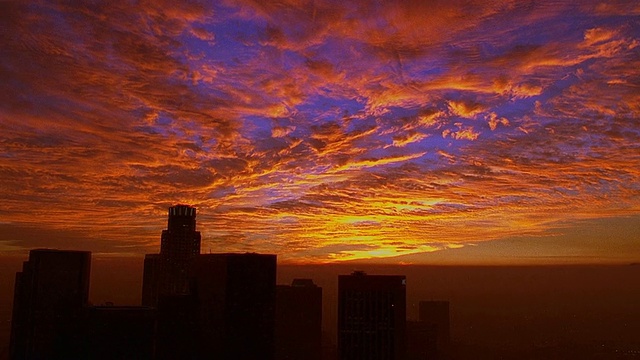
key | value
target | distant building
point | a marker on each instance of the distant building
(235, 295)
(50, 294)
(435, 327)
(422, 341)
(119, 332)
(299, 321)
(151, 280)
(167, 273)
(371, 316)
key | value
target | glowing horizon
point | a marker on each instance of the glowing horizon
(404, 132)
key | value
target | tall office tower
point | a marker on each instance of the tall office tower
(180, 243)
(299, 321)
(236, 296)
(167, 273)
(49, 297)
(435, 315)
(371, 316)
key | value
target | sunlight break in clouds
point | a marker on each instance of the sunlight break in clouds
(321, 130)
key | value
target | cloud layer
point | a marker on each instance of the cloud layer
(318, 130)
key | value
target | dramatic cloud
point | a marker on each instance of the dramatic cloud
(321, 130)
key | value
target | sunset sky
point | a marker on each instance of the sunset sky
(420, 132)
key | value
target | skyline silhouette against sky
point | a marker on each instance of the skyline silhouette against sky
(424, 132)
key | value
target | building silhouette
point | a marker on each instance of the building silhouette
(220, 306)
(119, 332)
(50, 294)
(371, 316)
(434, 316)
(235, 296)
(167, 273)
(151, 280)
(177, 328)
(421, 341)
(298, 331)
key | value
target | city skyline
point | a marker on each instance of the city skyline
(403, 132)
(581, 310)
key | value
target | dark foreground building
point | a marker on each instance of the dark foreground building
(213, 306)
(177, 328)
(371, 316)
(299, 321)
(167, 273)
(119, 332)
(50, 295)
(218, 306)
(235, 296)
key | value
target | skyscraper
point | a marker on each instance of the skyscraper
(236, 295)
(50, 294)
(299, 321)
(371, 316)
(168, 272)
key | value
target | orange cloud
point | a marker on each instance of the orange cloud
(320, 131)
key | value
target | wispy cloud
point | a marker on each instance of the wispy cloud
(321, 130)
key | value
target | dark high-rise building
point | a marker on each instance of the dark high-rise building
(236, 296)
(50, 294)
(299, 321)
(180, 243)
(151, 280)
(168, 272)
(371, 316)
(435, 317)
